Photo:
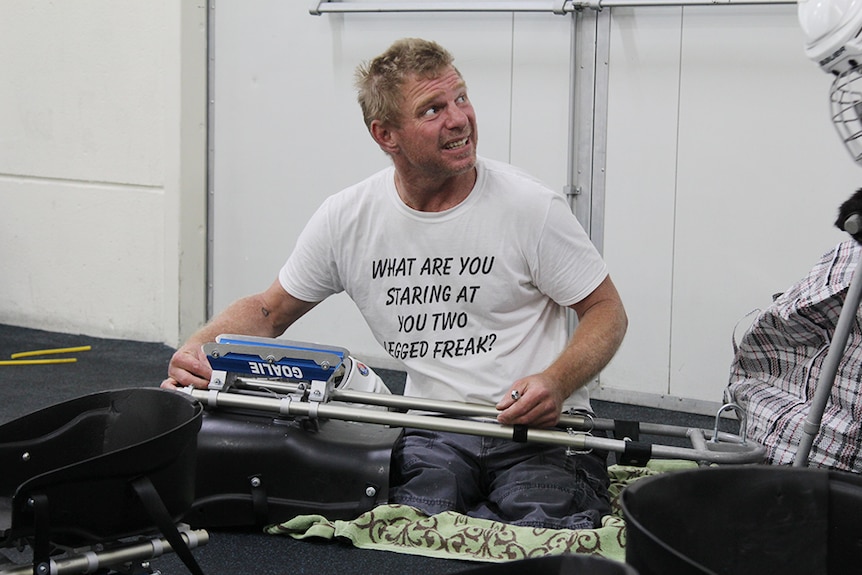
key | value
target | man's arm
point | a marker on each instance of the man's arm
(602, 323)
(266, 314)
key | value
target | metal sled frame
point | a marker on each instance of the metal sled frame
(130, 556)
(238, 362)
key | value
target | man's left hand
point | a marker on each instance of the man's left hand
(534, 401)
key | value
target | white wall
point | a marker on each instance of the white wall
(289, 133)
(724, 175)
(722, 170)
(102, 173)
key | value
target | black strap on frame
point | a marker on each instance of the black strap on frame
(519, 433)
(159, 514)
(634, 452)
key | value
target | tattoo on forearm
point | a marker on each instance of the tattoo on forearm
(264, 311)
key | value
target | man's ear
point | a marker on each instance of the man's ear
(384, 136)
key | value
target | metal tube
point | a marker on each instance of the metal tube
(448, 407)
(579, 441)
(697, 439)
(599, 4)
(327, 410)
(406, 402)
(501, 6)
(269, 385)
(577, 422)
(558, 7)
(570, 421)
(91, 561)
(846, 323)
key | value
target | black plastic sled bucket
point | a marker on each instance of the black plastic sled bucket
(73, 473)
(743, 520)
(256, 470)
(556, 565)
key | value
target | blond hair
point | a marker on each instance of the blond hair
(379, 82)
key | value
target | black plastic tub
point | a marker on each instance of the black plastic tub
(78, 459)
(256, 470)
(743, 520)
(556, 565)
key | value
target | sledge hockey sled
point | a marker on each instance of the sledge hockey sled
(100, 482)
(258, 467)
(293, 428)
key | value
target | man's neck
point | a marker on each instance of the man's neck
(435, 196)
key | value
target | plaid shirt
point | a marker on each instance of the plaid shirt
(777, 367)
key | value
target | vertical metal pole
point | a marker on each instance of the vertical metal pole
(210, 184)
(601, 77)
(588, 132)
(846, 323)
(588, 124)
(579, 74)
(582, 78)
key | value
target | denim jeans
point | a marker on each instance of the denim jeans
(499, 479)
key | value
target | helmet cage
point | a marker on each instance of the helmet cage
(846, 109)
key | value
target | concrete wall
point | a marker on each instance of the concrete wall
(102, 172)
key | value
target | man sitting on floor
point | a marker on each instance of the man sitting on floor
(463, 268)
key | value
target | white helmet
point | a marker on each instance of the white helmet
(832, 39)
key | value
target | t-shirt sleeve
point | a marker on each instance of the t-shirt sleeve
(311, 271)
(568, 265)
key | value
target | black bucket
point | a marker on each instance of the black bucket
(743, 520)
(556, 565)
(78, 460)
(256, 470)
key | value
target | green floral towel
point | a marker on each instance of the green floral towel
(454, 536)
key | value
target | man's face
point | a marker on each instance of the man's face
(438, 133)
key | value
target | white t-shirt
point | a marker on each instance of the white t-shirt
(470, 299)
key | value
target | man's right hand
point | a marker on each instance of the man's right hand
(188, 367)
(266, 314)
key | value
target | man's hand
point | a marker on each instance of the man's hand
(535, 400)
(601, 326)
(189, 366)
(266, 314)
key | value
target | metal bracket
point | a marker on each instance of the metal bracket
(740, 413)
(571, 450)
(218, 380)
(319, 391)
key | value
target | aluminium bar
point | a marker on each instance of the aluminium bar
(83, 561)
(823, 391)
(599, 4)
(555, 6)
(574, 421)
(715, 453)
(560, 7)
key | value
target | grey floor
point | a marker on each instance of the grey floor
(115, 364)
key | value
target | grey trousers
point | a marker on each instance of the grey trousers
(519, 483)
